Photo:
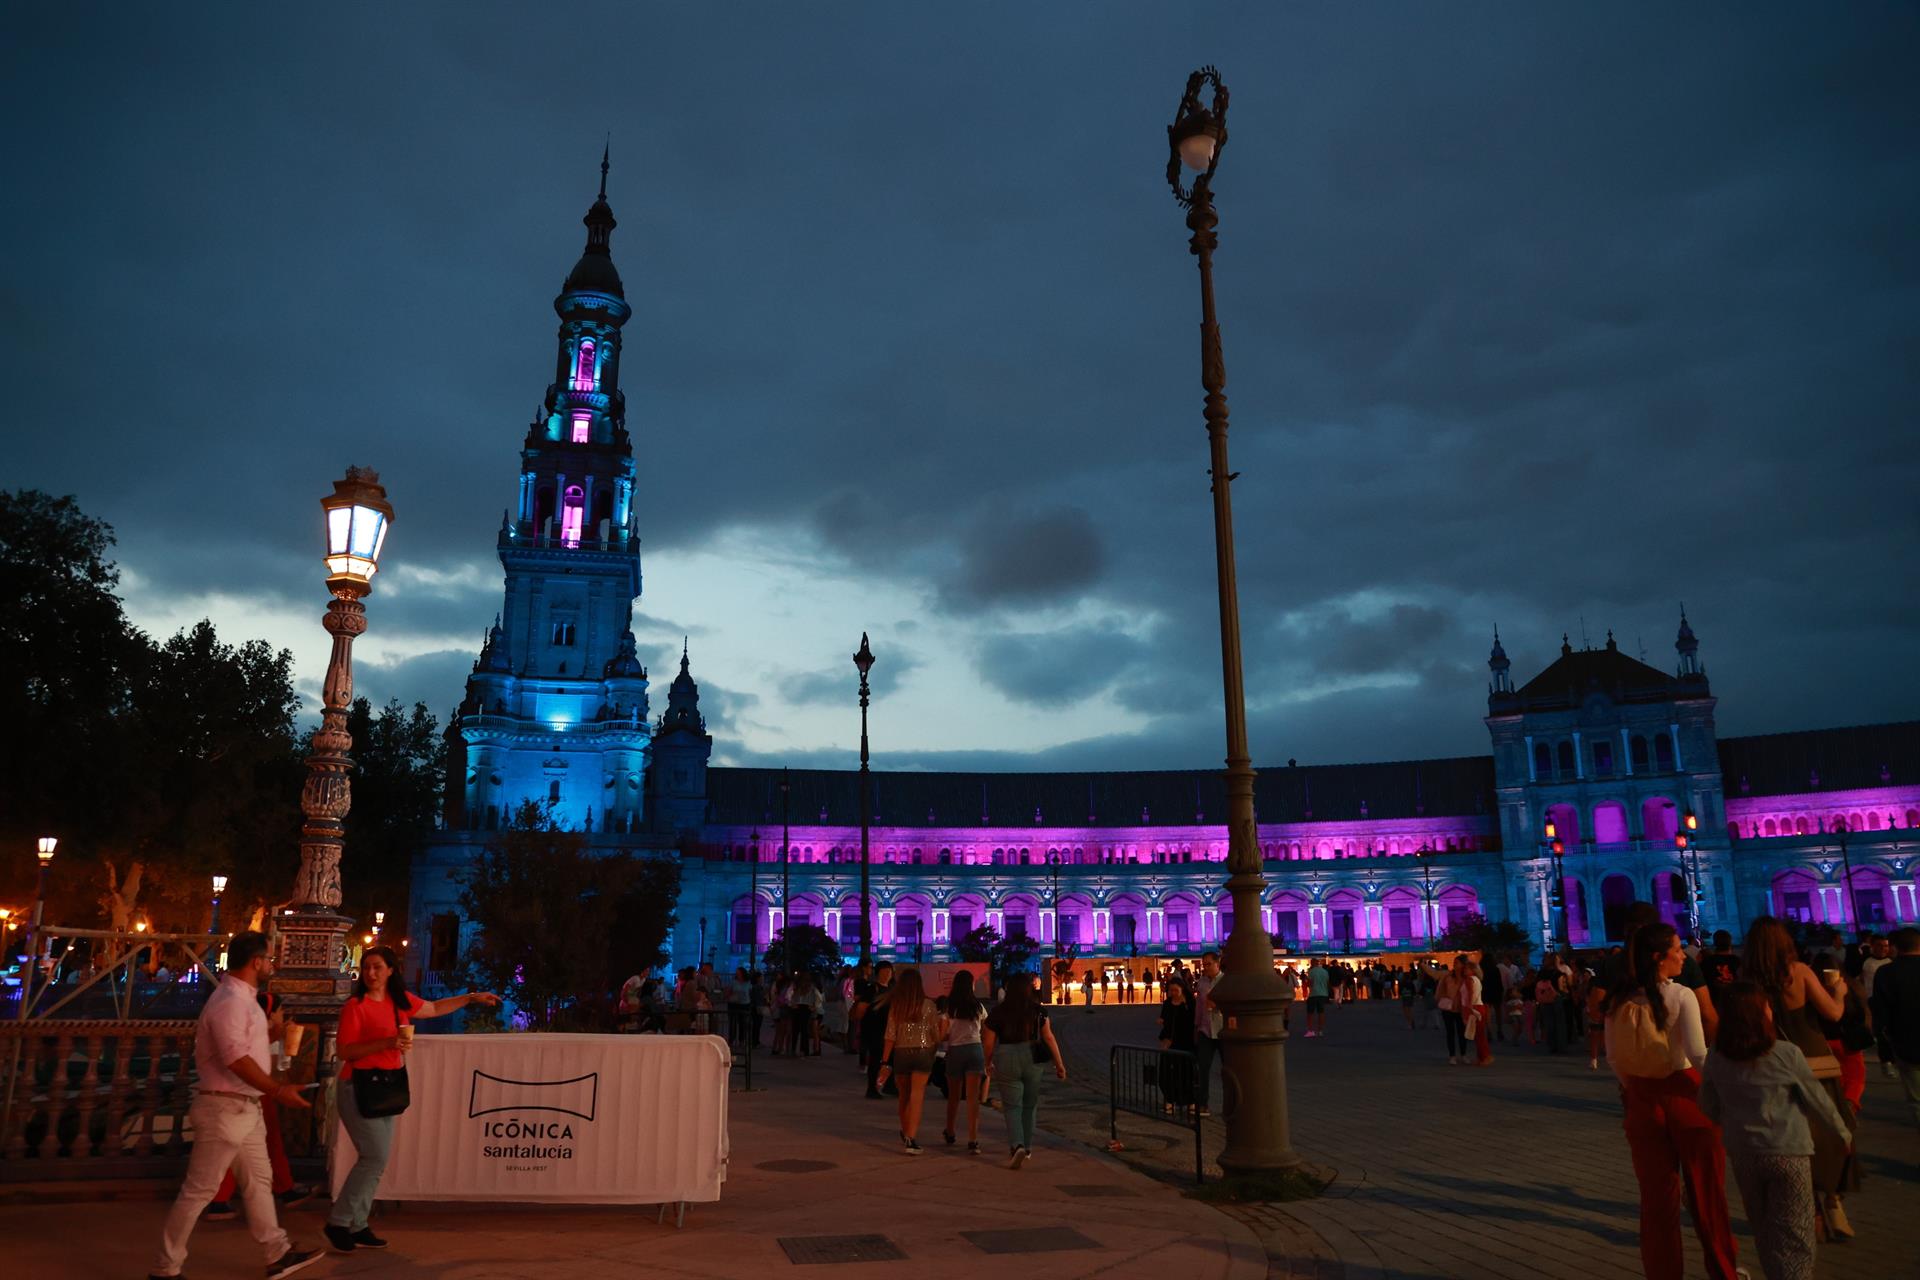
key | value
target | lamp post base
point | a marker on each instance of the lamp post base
(1253, 1072)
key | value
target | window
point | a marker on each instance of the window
(1016, 926)
(563, 633)
(1637, 753)
(1869, 907)
(743, 931)
(1069, 927)
(1399, 922)
(443, 946)
(1663, 752)
(1566, 756)
(959, 925)
(1542, 760)
(850, 927)
(1799, 906)
(582, 428)
(583, 366)
(573, 512)
(1603, 757)
(553, 792)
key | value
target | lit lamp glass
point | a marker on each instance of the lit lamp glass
(219, 885)
(1199, 141)
(47, 845)
(358, 517)
(1550, 829)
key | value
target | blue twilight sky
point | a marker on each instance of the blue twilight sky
(1543, 316)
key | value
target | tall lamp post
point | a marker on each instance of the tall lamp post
(1550, 834)
(786, 845)
(1687, 841)
(753, 901)
(1849, 910)
(1249, 993)
(864, 661)
(312, 951)
(219, 888)
(44, 851)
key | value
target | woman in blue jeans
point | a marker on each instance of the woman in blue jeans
(1019, 1045)
(371, 1036)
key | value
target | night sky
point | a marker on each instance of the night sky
(1550, 320)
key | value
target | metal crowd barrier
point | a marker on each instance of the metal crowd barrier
(1160, 1084)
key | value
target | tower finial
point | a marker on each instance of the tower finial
(605, 152)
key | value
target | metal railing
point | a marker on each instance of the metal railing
(1160, 1084)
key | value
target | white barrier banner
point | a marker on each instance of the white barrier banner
(575, 1119)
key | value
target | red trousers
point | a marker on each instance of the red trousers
(1676, 1147)
(1483, 1052)
(276, 1156)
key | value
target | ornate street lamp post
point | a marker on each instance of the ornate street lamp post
(786, 842)
(864, 661)
(1849, 910)
(753, 902)
(44, 851)
(1687, 841)
(311, 955)
(219, 888)
(1426, 886)
(1558, 848)
(1249, 993)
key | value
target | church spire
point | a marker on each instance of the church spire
(1498, 664)
(1687, 645)
(594, 273)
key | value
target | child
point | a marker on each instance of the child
(1762, 1092)
(1516, 1012)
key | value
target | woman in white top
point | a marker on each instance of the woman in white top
(1672, 1140)
(966, 1061)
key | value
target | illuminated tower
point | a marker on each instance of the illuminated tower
(556, 707)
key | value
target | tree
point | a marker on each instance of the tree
(804, 947)
(557, 927)
(1473, 932)
(399, 759)
(1004, 955)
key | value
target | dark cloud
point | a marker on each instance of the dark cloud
(833, 684)
(1575, 314)
(437, 679)
(1061, 667)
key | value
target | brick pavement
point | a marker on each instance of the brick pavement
(1516, 1170)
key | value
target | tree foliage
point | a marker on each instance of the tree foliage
(1005, 955)
(804, 947)
(1473, 932)
(557, 928)
(399, 759)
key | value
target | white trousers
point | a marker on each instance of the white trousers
(228, 1133)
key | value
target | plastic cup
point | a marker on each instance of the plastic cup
(406, 1035)
(290, 1038)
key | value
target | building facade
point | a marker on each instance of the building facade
(1822, 826)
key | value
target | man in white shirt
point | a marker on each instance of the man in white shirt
(1206, 1027)
(229, 1127)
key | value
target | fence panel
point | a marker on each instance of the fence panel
(1158, 1084)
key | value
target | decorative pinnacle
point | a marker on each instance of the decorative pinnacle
(605, 152)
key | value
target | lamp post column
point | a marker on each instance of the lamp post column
(786, 851)
(864, 661)
(1249, 993)
(753, 901)
(1849, 909)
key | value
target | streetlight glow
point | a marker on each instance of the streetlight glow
(357, 520)
(47, 845)
(219, 885)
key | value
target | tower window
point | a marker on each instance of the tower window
(583, 366)
(563, 633)
(553, 792)
(582, 428)
(1663, 752)
(1565, 752)
(572, 513)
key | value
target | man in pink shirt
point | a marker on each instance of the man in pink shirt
(229, 1126)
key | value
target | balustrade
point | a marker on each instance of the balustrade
(92, 1099)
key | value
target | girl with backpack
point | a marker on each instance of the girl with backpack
(1761, 1089)
(1655, 1044)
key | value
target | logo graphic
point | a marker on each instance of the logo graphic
(575, 1097)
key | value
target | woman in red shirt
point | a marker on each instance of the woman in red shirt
(371, 1037)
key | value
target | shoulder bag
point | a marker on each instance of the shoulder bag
(381, 1091)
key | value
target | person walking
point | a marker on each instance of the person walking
(803, 1011)
(286, 1192)
(375, 1036)
(873, 1026)
(1472, 1001)
(1319, 991)
(1762, 1093)
(1176, 1036)
(1019, 1046)
(1655, 1045)
(229, 1123)
(1896, 1011)
(1206, 1027)
(913, 1031)
(1799, 1001)
(1493, 997)
(966, 1060)
(1451, 1023)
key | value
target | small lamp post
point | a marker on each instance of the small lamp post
(786, 843)
(1550, 833)
(45, 851)
(864, 661)
(219, 888)
(1249, 993)
(1850, 909)
(311, 939)
(1686, 840)
(753, 900)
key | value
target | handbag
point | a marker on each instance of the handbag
(380, 1091)
(1042, 1056)
(1825, 1067)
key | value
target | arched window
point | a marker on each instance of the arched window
(573, 513)
(1770, 828)
(1566, 759)
(1542, 760)
(1663, 752)
(582, 428)
(1637, 753)
(583, 371)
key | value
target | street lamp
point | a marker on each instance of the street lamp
(1550, 834)
(786, 847)
(312, 942)
(1686, 841)
(1849, 910)
(1426, 885)
(753, 899)
(44, 851)
(219, 888)
(864, 661)
(1249, 993)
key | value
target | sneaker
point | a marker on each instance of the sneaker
(1019, 1158)
(973, 1148)
(1204, 1113)
(291, 1261)
(1887, 1070)
(910, 1146)
(365, 1239)
(949, 1136)
(221, 1211)
(293, 1195)
(340, 1238)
